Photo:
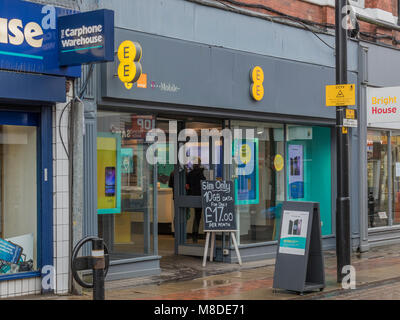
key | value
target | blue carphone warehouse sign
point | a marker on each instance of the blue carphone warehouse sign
(86, 37)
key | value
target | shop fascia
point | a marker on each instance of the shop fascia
(383, 107)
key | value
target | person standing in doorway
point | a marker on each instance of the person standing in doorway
(193, 186)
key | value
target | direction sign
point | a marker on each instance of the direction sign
(340, 95)
(352, 123)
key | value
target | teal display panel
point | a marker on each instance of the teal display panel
(309, 169)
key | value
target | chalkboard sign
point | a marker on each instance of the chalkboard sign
(218, 201)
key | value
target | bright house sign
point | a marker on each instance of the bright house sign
(383, 107)
(86, 37)
(29, 40)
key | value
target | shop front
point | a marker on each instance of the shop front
(198, 112)
(379, 138)
(31, 85)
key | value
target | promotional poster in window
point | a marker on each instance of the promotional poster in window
(296, 172)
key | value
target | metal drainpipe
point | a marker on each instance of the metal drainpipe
(398, 12)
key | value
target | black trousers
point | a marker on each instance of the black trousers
(196, 222)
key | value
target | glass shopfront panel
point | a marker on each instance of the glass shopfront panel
(259, 180)
(395, 144)
(272, 167)
(125, 184)
(18, 199)
(309, 169)
(377, 171)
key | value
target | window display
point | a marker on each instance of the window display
(309, 169)
(378, 188)
(260, 180)
(124, 184)
(18, 199)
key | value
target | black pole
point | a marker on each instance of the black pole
(98, 269)
(343, 253)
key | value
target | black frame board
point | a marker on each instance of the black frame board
(299, 266)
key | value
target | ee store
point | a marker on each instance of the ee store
(148, 211)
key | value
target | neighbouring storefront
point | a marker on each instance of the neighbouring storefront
(31, 85)
(379, 146)
(147, 211)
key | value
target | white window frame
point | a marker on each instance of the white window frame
(331, 3)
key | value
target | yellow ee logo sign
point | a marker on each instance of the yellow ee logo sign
(257, 79)
(129, 69)
(245, 154)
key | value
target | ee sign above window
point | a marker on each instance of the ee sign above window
(257, 80)
(383, 107)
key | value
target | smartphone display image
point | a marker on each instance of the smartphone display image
(110, 182)
(290, 230)
(295, 225)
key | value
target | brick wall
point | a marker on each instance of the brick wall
(325, 14)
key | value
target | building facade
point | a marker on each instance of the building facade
(201, 72)
(195, 77)
(35, 180)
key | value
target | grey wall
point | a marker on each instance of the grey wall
(382, 66)
(188, 21)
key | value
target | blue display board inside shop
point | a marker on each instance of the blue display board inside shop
(9, 251)
(246, 184)
(29, 40)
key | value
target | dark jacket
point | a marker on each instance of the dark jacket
(193, 179)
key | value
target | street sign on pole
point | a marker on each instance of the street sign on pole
(340, 95)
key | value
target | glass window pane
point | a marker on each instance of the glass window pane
(378, 203)
(395, 141)
(309, 169)
(124, 184)
(259, 180)
(18, 199)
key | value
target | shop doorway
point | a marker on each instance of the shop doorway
(179, 200)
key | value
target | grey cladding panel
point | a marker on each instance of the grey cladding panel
(188, 73)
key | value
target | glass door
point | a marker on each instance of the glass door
(198, 158)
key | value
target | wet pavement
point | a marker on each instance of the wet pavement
(184, 278)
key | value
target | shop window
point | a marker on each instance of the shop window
(378, 189)
(125, 184)
(18, 199)
(395, 144)
(259, 182)
(309, 169)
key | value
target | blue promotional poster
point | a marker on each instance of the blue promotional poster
(296, 172)
(246, 185)
(294, 232)
(9, 251)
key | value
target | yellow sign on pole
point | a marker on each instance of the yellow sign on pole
(340, 95)
(350, 114)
